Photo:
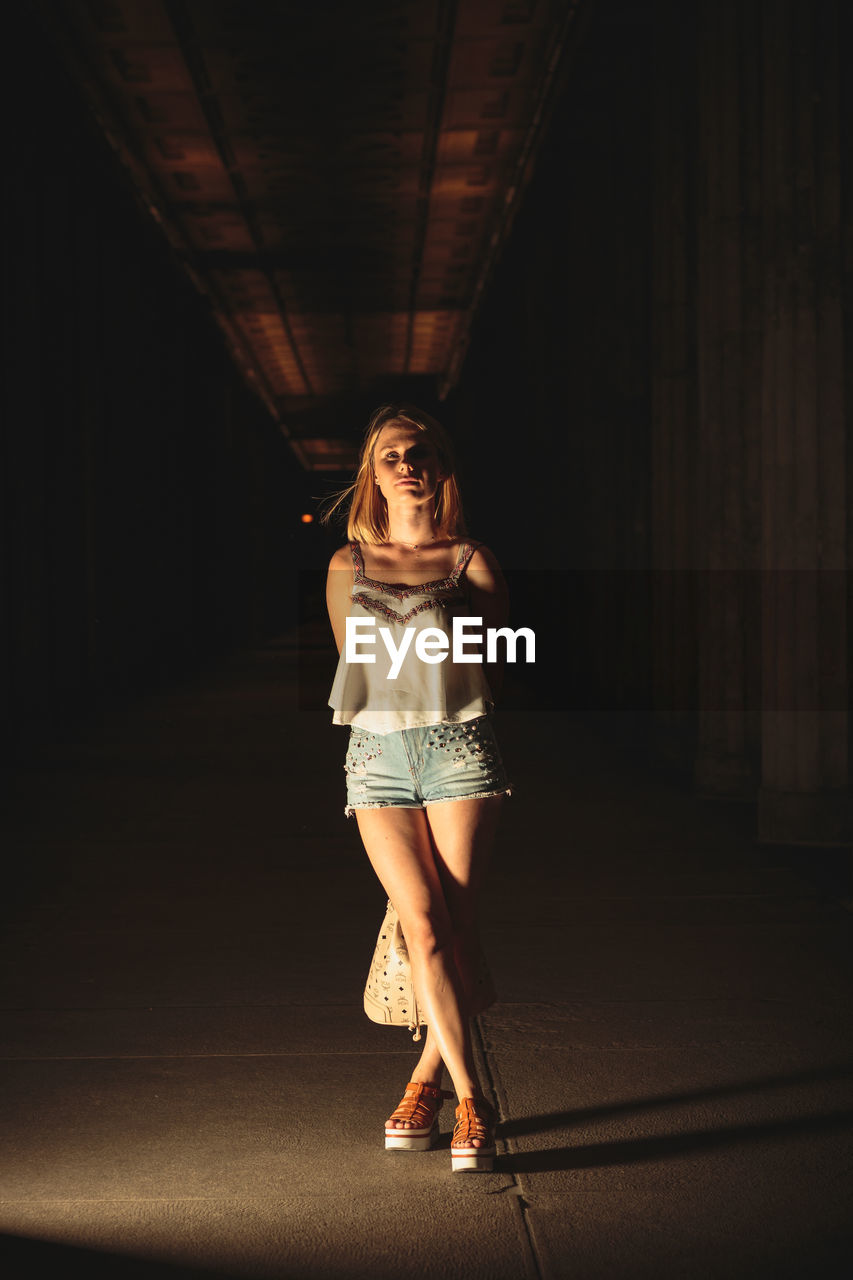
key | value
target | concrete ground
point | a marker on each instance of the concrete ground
(190, 1087)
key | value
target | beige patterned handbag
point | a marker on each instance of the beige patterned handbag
(389, 994)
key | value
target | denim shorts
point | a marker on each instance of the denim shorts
(410, 768)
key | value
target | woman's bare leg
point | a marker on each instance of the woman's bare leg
(399, 847)
(432, 870)
(463, 833)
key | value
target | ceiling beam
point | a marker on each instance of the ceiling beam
(567, 37)
(146, 188)
(179, 17)
(444, 26)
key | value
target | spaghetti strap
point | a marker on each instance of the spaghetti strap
(357, 559)
(466, 550)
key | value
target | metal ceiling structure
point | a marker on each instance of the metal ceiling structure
(337, 177)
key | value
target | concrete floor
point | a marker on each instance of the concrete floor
(190, 1087)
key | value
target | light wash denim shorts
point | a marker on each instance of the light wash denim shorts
(411, 768)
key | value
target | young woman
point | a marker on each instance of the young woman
(425, 777)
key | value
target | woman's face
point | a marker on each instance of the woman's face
(405, 463)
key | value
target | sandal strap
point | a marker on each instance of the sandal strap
(475, 1118)
(420, 1105)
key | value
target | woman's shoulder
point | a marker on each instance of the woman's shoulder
(482, 556)
(464, 542)
(470, 552)
(342, 559)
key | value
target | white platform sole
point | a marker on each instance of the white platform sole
(472, 1159)
(411, 1139)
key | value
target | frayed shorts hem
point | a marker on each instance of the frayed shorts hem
(391, 804)
(414, 768)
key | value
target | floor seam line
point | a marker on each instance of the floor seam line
(498, 1092)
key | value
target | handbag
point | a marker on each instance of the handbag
(389, 993)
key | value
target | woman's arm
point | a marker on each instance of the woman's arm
(338, 591)
(490, 601)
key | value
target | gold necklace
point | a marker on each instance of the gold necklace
(413, 546)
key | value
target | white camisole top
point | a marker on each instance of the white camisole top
(423, 693)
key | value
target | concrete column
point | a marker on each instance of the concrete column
(804, 796)
(673, 426)
(728, 383)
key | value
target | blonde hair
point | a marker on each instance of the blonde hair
(368, 511)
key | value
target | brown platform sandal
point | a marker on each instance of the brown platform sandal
(475, 1118)
(420, 1107)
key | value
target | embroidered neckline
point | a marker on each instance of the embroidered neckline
(385, 610)
(401, 590)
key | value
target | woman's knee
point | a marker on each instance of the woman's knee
(428, 932)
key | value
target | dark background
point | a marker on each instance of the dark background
(652, 417)
(653, 424)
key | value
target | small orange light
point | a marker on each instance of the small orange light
(307, 517)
